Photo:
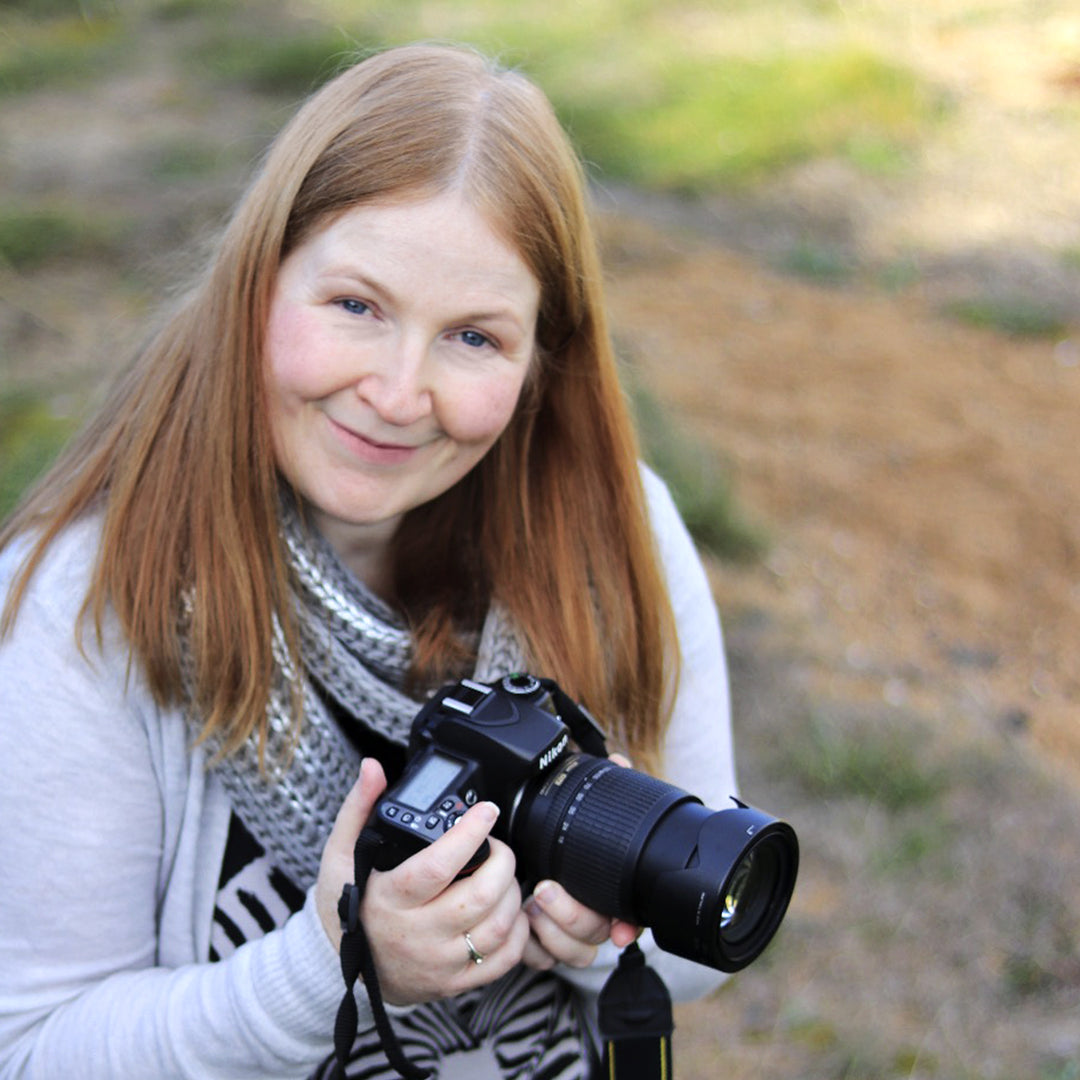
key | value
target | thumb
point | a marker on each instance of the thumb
(358, 804)
(336, 867)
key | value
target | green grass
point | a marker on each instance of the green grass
(35, 234)
(291, 64)
(819, 264)
(1016, 317)
(32, 432)
(700, 123)
(868, 758)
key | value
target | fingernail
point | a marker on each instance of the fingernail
(544, 892)
(489, 812)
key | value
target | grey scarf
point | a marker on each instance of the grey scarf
(356, 653)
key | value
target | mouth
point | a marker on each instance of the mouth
(375, 451)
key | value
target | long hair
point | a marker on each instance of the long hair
(551, 524)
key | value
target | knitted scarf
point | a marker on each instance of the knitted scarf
(356, 654)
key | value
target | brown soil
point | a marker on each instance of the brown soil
(917, 478)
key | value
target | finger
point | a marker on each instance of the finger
(535, 956)
(564, 948)
(564, 927)
(621, 760)
(623, 933)
(336, 865)
(423, 876)
(572, 916)
(359, 803)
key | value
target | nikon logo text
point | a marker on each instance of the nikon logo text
(548, 756)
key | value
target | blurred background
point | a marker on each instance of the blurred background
(843, 254)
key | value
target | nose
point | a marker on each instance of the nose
(397, 383)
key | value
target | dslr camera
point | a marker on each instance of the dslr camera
(713, 885)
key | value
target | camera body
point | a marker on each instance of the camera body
(713, 885)
(471, 742)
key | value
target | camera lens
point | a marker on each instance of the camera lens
(746, 895)
(712, 884)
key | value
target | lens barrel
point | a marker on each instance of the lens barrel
(712, 884)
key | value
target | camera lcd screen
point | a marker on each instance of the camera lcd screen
(429, 782)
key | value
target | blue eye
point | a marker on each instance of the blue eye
(474, 339)
(354, 307)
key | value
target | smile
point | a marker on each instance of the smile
(372, 451)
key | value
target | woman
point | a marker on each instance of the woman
(380, 445)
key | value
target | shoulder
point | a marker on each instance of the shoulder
(47, 624)
(678, 554)
(663, 514)
(60, 581)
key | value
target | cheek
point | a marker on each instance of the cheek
(290, 342)
(481, 415)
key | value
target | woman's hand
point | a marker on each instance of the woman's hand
(565, 931)
(416, 916)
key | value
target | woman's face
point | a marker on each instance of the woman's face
(398, 341)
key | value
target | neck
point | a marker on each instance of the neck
(364, 549)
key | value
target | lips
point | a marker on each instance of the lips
(369, 450)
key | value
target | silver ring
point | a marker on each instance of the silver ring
(475, 955)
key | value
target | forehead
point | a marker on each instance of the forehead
(444, 233)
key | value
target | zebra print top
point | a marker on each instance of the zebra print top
(527, 1025)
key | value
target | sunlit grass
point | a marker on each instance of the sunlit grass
(726, 122)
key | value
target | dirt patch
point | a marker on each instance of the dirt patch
(916, 475)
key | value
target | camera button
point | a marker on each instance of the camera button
(390, 811)
(447, 804)
(406, 818)
(451, 819)
(432, 821)
(470, 797)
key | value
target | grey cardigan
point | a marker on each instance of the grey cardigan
(112, 830)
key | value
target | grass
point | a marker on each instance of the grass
(705, 123)
(34, 234)
(32, 433)
(867, 758)
(292, 65)
(62, 51)
(1016, 317)
(818, 263)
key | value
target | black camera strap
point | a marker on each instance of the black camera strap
(357, 962)
(636, 1022)
(635, 1014)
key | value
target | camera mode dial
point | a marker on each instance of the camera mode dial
(520, 684)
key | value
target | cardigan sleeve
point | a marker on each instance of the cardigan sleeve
(85, 868)
(698, 754)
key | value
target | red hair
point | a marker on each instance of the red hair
(552, 524)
